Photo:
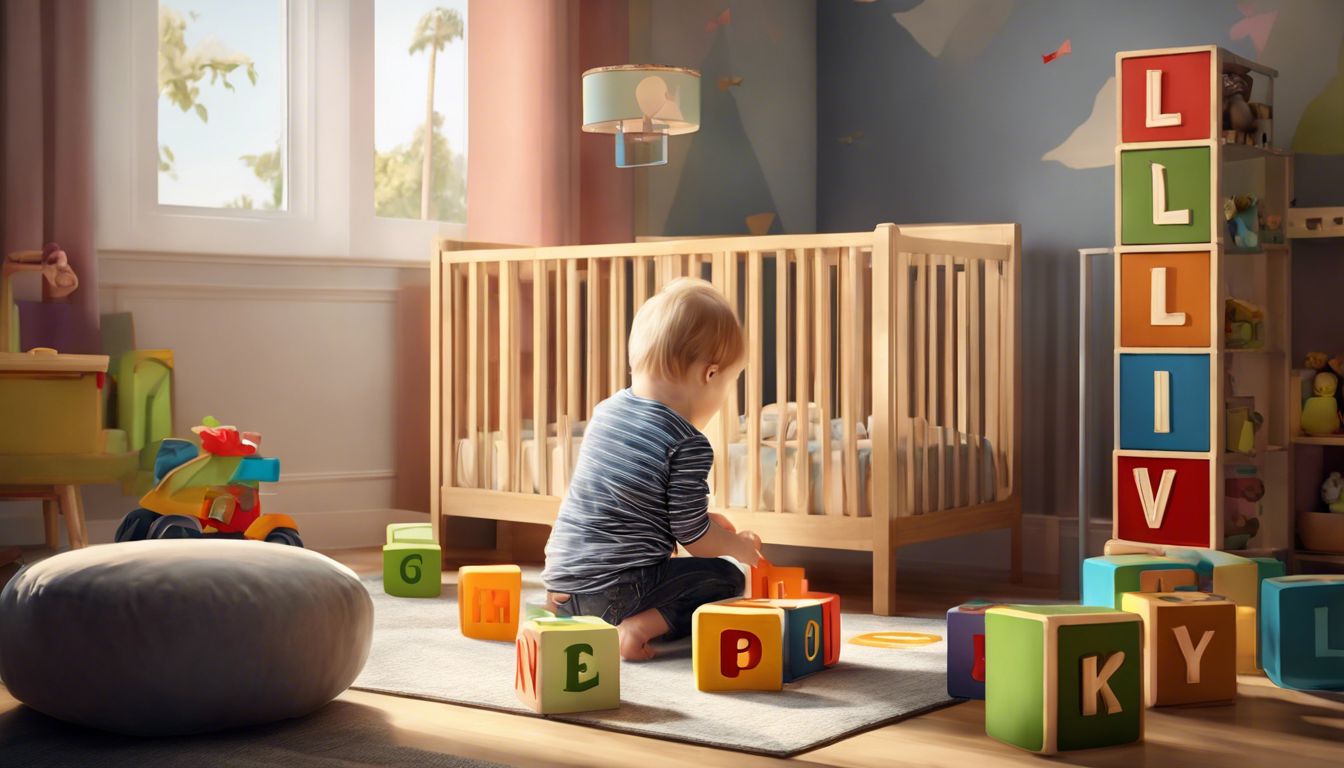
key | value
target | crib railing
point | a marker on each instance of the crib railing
(902, 337)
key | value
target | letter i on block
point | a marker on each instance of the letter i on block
(487, 600)
(737, 649)
(1062, 677)
(411, 561)
(567, 664)
(1189, 649)
(1302, 631)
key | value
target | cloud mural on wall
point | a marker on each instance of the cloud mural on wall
(959, 28)
(1092, 144)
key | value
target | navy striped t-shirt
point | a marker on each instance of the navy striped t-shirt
(639, 487)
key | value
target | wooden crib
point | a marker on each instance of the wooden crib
(880, 405)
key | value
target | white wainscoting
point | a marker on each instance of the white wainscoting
(301, 350)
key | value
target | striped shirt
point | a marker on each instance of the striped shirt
(639, 487)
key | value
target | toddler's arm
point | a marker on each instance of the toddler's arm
(718, 541)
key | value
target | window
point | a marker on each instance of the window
(280, 127)
(222, 98)
(420, 86)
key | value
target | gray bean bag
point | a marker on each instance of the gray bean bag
(182, 636)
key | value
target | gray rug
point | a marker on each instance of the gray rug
(341, 734)
(419, 652)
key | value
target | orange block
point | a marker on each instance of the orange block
(1189, 648)
(775, 582)
(487, 601)
(1187, 291)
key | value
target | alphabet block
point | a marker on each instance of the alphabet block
(1189, 649)
(805, 632)
(1164, 196)
(411, 570)
(487, 600)
(1166, 97)
(1184, 402)
(1248, 625)
(1108, 577)
(738, 648)
(776, 582)
(1186, 292)
(410, 533)
(1162, 501)
(1230, 576)
(1302, 631)
(1062, 677)
(830, 606)
(966, 650)
(567, 664)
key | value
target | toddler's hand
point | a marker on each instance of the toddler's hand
(752, 544)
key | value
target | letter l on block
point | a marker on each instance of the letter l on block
(1157, 305)
(1161, 216)
(1154, 509)
(1155, 117)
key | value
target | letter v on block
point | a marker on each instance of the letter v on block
(1154, 509)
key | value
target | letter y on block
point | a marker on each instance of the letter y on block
(1154, 509)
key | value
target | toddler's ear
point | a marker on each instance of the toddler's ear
(711, 371)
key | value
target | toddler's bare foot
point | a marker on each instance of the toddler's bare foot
(636, 632)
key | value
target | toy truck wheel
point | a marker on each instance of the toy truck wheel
(135, 525)
(175, 527)
(287, 536)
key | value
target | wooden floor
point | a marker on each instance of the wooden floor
(1266, 726)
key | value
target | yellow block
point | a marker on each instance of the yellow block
(487, 601)
(1248, 630)
(737, 649)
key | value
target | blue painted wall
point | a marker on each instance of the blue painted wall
(959, 136)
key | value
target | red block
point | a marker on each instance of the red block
(1186, 517)
(1186, 82)
(831, 617)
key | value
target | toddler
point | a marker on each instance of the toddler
(640, 485)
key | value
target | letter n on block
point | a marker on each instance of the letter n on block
(565, 665)
(1189, 649)
(738, 648)
(1162, 501)
(1062, 677)
(487, 600)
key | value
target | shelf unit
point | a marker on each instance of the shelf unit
(1176, 266)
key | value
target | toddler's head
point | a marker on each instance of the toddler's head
(687, 339)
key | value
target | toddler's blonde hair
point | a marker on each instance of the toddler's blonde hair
(685, 323)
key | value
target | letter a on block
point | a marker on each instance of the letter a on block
(1193, 653)
(732, 644)
(574, 668)
(1323, 649)
(1155, 117)
(1157, 307)
(1099, 683)
(1161, 216)
(1154, 509)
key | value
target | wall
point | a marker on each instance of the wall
(944, 111)
(301, 350)
(755, 152)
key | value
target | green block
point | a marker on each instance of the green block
(410, 533)
(411, 570)
(1039, 662)
(1187, 188)
(567, 664)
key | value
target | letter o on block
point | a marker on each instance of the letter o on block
(737, 648)
(1062, 677)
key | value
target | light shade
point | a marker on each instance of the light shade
(642, 104)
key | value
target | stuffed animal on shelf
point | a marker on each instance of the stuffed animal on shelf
(1243, 220)
(1332, 492)
(1320, 413)
(1320, 362)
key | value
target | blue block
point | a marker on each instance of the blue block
(804, 640)
(258, 470)
(1188, 400)
(1302, 631)
(966, 651)
(1108, 577)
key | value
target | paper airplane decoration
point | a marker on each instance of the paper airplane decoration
(1064, 49)
(1256, 26)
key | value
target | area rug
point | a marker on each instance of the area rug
(341, 734)
(419, 652)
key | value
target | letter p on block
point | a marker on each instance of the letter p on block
(737, 649)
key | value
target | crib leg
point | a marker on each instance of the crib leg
(1016, 554)
(884, 583)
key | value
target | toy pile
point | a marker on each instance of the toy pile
(211, 491)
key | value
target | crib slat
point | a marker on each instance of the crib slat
(993, 371)
(781, 370)
(508, 372)
(976, 381)
(540, 373)
(613, 326)
(755, 342)
(918, 445)
(825, 366)
(948, 467)
(849, 377)
(622, 326)
(592, 346)
(641, 280)
(570, 339)
(474, 318)
(720, 436)
(963, 396)
(802, 378)
(901, 423)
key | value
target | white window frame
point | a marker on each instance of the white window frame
(329, 143)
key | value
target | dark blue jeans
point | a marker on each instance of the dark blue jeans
(674, 587)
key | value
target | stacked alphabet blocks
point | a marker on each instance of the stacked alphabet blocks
(411, 561)
(1302, 631)
(1062, 677)
(1189, 647)
(488, 599)
(568, 664)
(760, 644)
(1107, 578)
